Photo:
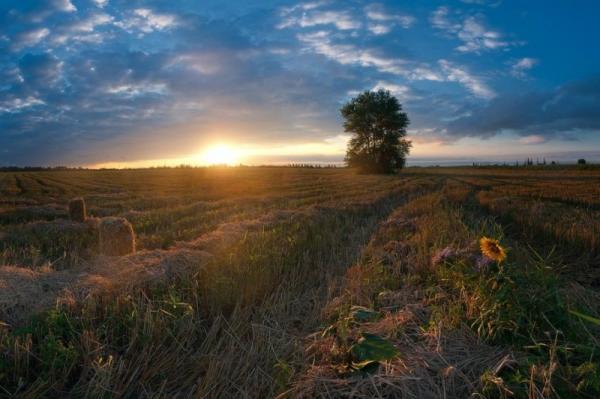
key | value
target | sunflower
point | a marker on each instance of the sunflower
(492, 249)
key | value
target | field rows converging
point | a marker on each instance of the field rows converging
(335, 233)
(291, 282)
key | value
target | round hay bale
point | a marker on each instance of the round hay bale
(116, 236)
(77, 210)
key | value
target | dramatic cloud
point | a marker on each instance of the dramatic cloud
(561, 112)
(88, 81)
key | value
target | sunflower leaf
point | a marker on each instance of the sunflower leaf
(371, 347)
(362, 314)
(368, 366)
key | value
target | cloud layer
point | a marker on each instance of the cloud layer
(94, 81)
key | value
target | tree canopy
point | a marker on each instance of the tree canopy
(378, 128)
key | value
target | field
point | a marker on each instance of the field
(301, 282)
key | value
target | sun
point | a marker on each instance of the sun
(220, 154)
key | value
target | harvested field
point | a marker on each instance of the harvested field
(298, 282)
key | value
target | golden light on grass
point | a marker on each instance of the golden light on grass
(220, 154)
(492, 249)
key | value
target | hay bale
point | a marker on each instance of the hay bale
(116, 236)
(77, 210)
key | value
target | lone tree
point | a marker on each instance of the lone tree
(378, 126)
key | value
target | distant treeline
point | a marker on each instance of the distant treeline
(538, 163)
(527, 163)
(183, 166)
(288, 165)
(36, 168)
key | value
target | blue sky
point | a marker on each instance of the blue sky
(131, 83)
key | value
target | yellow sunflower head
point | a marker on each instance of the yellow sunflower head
(492, 249)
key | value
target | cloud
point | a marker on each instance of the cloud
(104, 97)
(459, 74)
(402, 92)
(90, 23)
(18, 104)
(533, 139)
(302, 6)
(380, 29)
(204, 63)
(476, 37)
(83, 30)
(29, 38)
(146, 20)
(520, 67)
(562, 112)
(138, 89)
(101, 3)
(340, 19)
(348, 54)
(376, 13)
(439, 19)
(491, 3)
(94, 82)
(64, 5)
(33, 13)
(381, 21)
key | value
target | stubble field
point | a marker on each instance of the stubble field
(300, 282)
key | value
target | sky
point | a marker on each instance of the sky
(131, 83)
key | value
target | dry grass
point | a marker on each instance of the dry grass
(240, 271)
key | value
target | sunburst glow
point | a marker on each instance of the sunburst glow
(220, 155)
